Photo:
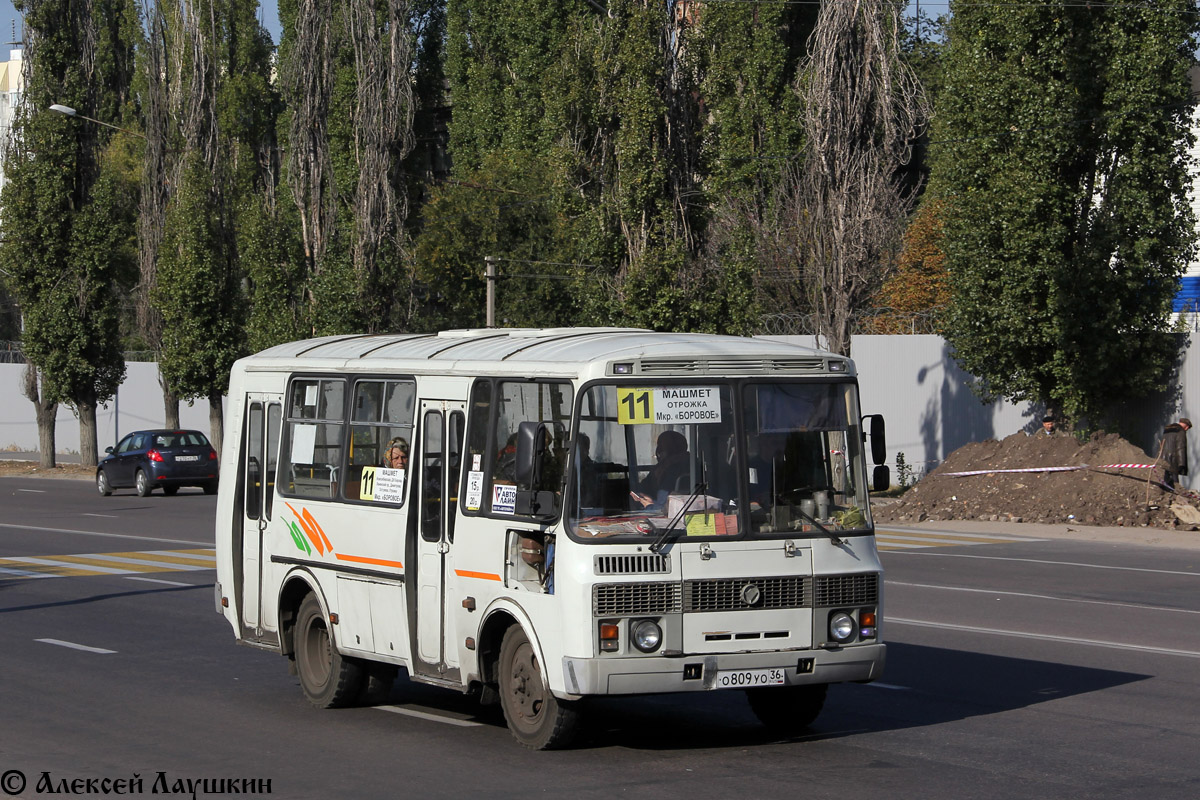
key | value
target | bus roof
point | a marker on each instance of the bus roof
(550, 351)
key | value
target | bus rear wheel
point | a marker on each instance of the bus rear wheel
(537, 718)
(328, 679)
(788, 710)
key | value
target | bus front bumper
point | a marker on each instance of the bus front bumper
(703, 672)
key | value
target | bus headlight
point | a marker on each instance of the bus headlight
(841, 626)
(645, 634)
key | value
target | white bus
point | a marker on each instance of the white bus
(540, 516)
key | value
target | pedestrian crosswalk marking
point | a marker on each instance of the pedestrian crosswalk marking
(135, 563)
(889, 539)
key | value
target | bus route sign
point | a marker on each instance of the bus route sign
(669, 406)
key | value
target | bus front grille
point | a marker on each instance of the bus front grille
(846, 590)
(734, 594)
(747, 594)
(633, 564)
(626, 599)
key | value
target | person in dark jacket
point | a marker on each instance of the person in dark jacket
(1174, 451)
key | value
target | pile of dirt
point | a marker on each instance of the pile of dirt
(1096, 495)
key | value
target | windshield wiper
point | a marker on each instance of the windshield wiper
(833, 537)
(661, 541)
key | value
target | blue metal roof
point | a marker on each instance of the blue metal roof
(1188, 296)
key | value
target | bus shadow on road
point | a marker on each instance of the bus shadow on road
(922, 686)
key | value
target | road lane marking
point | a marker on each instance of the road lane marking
(75, 646)
(91, 564)
(21, 573)
(1054, 563)
(909, 538)
(103, 535)
(104, 516)
(32, 491)
(412, 712)
(157, 580)
(65, 563)
(893, 687)
(1030, 595)
(1046, 637)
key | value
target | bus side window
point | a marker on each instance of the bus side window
(519, 402)
(314, 437)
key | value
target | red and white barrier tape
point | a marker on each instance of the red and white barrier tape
(1044, 469)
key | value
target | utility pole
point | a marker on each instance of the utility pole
(490, 275)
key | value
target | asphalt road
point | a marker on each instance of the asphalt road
(1018, 667)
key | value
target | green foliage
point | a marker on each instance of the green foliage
(198, 291)
(1063, 166)
(501, 210)
(68, 202)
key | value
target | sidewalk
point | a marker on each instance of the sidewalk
(1154, 537)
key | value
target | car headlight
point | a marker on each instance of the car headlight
(645, 634)
(841, 626)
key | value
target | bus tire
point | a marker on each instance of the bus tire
(536, 718)
(787, 710)
(328, 679)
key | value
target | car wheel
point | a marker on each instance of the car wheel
(536, 718)
(144, 488)
(328, 679)
(170, 491)
(210, 487)
(102, 485)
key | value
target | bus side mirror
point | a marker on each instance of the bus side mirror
(881, 478)
(531, 452)
(878, 438)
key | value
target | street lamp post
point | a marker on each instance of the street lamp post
(70, 112)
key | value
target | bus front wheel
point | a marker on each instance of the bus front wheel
(328, 679)
(536, 717)
(787, 710)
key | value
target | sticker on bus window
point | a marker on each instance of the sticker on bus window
(504, 499)
(667, 406)
(382, 485)
(474, 489)
(304, 443)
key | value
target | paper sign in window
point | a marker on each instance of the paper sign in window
(304, 440)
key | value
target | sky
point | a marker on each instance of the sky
(9, 17)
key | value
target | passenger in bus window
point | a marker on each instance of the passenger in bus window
(671, 450)
(395, 456)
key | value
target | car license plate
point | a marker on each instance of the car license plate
(187, 458)
(749, 678)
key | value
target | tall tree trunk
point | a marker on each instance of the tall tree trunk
(46, 412)
(216, 422)
(87, 434)
(170, 403)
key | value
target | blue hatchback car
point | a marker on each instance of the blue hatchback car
(146, 460)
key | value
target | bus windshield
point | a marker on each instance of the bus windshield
(718, 459)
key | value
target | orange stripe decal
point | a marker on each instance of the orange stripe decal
(486, 576)
(364, 560)
(324, 538)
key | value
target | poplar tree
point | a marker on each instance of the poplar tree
(346, 74)
(1060, 152)
(67, 204)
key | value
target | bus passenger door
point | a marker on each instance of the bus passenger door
(439, 460)
(259, 457)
